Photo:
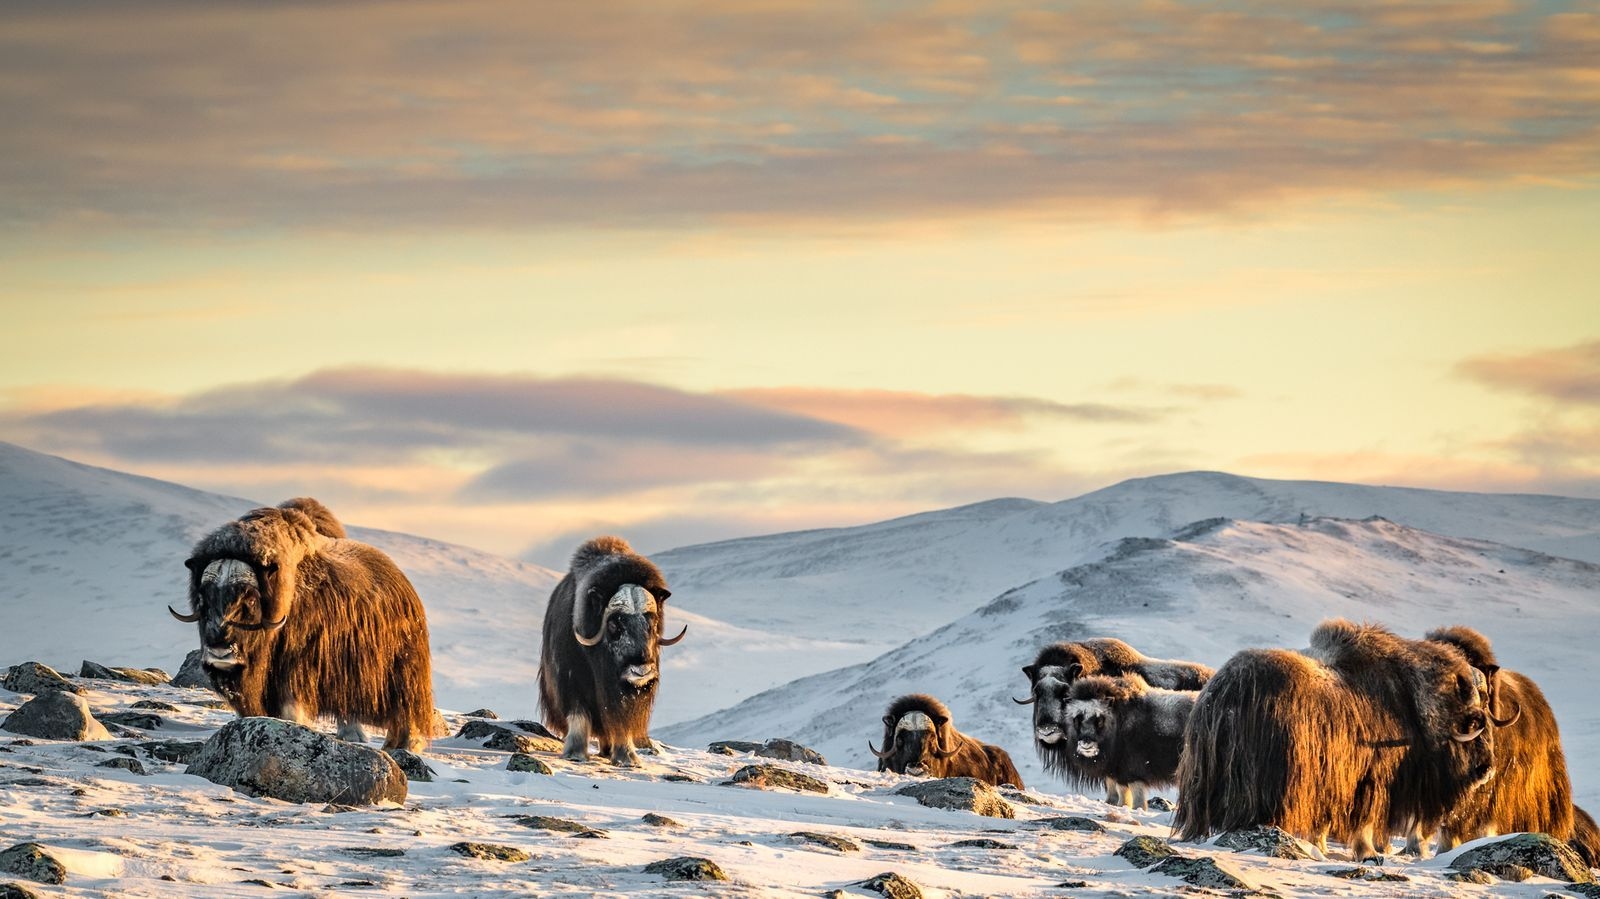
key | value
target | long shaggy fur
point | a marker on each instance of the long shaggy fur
(908, 748)
(322, 518)
(1134, 731)
(1586, 837)
(1530, 791)
(354, 642)
(1342, 741)
(586, 682)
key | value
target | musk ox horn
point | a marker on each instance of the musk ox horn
(263, 625)
(674, 640)
(882, 755)
(580, 609)
(1467, 737)
(1029, 701)
(1516, 715)
(188, 619)
(941, 747)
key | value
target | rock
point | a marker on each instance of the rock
(177, 751)
(679, 779)
(411, 765)
(1515, 873)
(491, 852)
(36, 677)
(16, 891)
(893, 886)
(126, 764)
(150, 677)
(1586, 890)
(1479, 877)
(1537, 852)
(686, 868)
(521, 761)
(1362, 872)
(483, 713)
(132, 719)
(961, 794)
(769, 777)
(1074, 884)
(890, 844)
(1144, 851)
(1160, 804)
(154, 705)
(477, 730)
(789, 751)
(1272, 842)
(56, 716)
(34, 862)
(1071, 822)
(826, 840)
(544, 822)
(190, 674)
(373, 852)
(535, 728)
(1203, 872)
(506, 741)
(108, 813)
(981, 843)
(655, 820)
(269, 757)
(732, 747)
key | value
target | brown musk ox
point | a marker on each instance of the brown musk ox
(1050, 680)
(322, 518)
(1122, 730)
(1530, 790)
(295, 624)
(599, 667)
(1362, 729)
(1586, 837)
(918, 739)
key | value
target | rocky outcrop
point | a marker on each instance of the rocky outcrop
(961, 794)
(281, 759)
(37, 677)
(56, 716)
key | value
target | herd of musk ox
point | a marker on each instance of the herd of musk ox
(1362, 737)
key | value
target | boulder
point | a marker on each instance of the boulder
(959, 793)
(826, 840)
(521, 761)
(284, 760)
(34, 862)
(1269, 841)
(176, 751)
(732, 747)
(789, 751)
(150, 677)
(126, 764)
(491, 852)
(1071, 822)
(893, 886)
(36, 677)
(1144, 851)
(483, 713)
(1538, 852)
(1203, 872)
(411, 765)
(686, 868)
(655, 820)
(56, 716)
(506, 741)
(981, 843)
(771, 776)
(16, 891)
(154, 705)
(190, 674)
(145, 720)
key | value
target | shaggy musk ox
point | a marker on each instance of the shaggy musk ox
(295, 624)
(918, 739)
(1051, 677)
(599, 668)
(1586, 837)
(1363, 730)
(322, 518)
(1122, 730)
(1530, 791)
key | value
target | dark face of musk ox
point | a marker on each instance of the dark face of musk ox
(229, 607)
(1052, 691)
(916, 746)
(629, 635)
(1469, 743)
(1087, 732)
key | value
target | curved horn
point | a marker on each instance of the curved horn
(941, 749)
(263, 625)
(1467, 737)
(674, 640)
(190, 619)
(1029, 701)
(579, 608)
(1507, 722)
(882, 755)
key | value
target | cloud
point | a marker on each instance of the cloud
(421, 115)
(895, 413)
(1564, 375)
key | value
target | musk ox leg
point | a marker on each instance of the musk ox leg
(293, 711)
(624, 756)
(1113, 792)
(1417, 843)
(1138, 796)
(350, 731)
(1362, 849)
(576, 748)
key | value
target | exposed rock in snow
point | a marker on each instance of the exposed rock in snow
(56, 716)
(962, 794)
(34, 862)
(686, 868)
(269, 757)
(1540, 853)
(150, 676)
(190, 673)
(36, 677)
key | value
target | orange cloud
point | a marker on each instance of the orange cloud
(907, 414)
(1566, 375)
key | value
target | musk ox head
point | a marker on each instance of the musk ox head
(1089, 724)
(917, 736)
(242, 580)
(617, 609)
(1456, 716)
(1050, 680)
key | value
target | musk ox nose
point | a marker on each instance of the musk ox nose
(916, 770)
(1047, 733)
(1088, 749)
(639, 675)
(220, 656)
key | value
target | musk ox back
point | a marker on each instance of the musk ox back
(322, 518)
(599, 667)
(918, 739)
(1530, 791)
(1122, 730)
(296, 625)
(1364, 729)
(1050, 680)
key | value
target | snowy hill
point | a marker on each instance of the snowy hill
(886, 582)
(1209, 590)
(89, 558)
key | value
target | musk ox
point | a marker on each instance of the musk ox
(918, 739)
(1586, 837)
(1530, 790)
(1122, 730)
(1050, 680)
(600, 664)
(322, 518)
(295, 624)
(1364, 729)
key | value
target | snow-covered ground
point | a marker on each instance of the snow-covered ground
(169, 834)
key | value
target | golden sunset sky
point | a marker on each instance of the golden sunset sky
(511, 274)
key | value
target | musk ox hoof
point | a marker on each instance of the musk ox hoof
(626, 757)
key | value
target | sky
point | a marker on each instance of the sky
(515, 274)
